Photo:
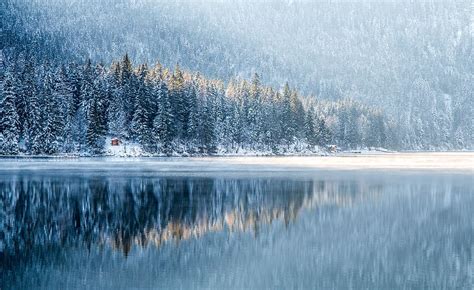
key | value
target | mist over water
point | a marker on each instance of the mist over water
(77, 230)
(236, 144)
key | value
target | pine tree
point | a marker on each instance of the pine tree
(34, 131)
(342, 128)
(141, 124)
(95, 132)
(52, 119)
(207, 129)
(193, 114)
(353, 134)
(126, 68)
(254, 110)
(237, 127)
(116, 116)
(9, 122)
(32, 120)
(128, 89)
(297, 115)
(162, 123)
(179, 103)
(288, 128)
(324, 134)
(24, 88)
(310, 132)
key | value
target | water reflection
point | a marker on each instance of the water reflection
(139, 211)
(259, 232)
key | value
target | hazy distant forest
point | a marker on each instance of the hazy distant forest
(206, 77)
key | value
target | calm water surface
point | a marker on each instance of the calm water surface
(315, 230)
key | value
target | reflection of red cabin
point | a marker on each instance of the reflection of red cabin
(115, 142)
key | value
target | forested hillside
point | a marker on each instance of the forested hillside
(413, 59)
(48, 109)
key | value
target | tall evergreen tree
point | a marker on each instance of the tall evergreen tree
(34, 131)
(324, 133)
(310, 132)
(288, 128)
(32, 120)
(179, 103)
(162, 123)
(141, 122)
(53, 118)
(9, 122)
(95, 133)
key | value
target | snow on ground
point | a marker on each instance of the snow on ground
(462, 161)
(124, 149)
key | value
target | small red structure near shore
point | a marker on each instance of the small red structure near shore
(115, 142)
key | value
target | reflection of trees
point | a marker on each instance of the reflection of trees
(38, 212)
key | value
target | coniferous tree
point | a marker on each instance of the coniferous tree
(253, 117)
(208, 132)
(24, 81)
(141, 122)
(288, 128)
(162, 123)
(178, 102)
(95, 133)
(32, 120)
(353, 134)
(297, 115)
(342, 128)
(324, 133)
(76, 107)
(310, 132)
(193, 114)
(9, 122)
(52, 118)
(116, 111)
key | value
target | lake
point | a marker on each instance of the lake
(377, 222)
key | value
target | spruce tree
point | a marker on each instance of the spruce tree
(162, 123)
(95, 133)
(288, 128)
(9, 122)
(310, 132)
(324, 133)
(32, 120)
(34, 131)
(353, 134)
(23, 83)
(53, 118)
(193, 114)
(254, 110)
(208, 132)
(342, 128)
(179, 103)
(140, 121)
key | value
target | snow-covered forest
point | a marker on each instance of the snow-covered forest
(371, 74)
(72, 109)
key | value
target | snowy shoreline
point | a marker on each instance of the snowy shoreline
(349, 153)
(224, 155)
(391, 162)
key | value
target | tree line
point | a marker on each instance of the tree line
(55, 108)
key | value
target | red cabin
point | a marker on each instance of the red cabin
(115, 142)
